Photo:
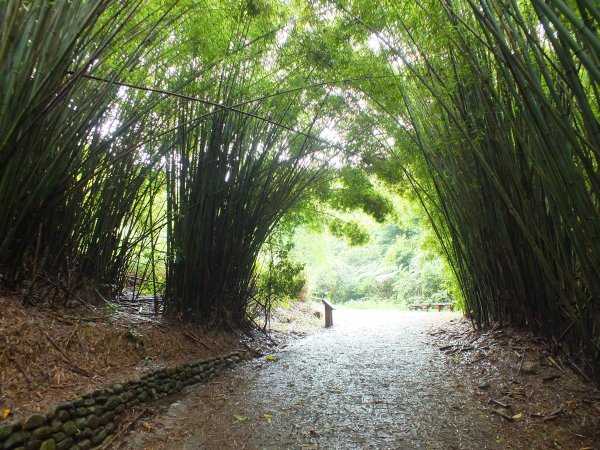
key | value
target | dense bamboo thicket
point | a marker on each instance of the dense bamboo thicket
(501, 98)
(69, 179)
(230, 180)
(144, 137)
(139, 142)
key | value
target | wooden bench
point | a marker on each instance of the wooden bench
(436, 306)
(423, 306)
(328, 313)
(440, 306)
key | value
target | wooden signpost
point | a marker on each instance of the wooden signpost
(328, 313)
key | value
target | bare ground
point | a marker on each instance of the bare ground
(377, 380)
(385, 380)
(48, 354)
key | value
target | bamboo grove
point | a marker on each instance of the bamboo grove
(121, 157)
(154, 137)
(504, 111)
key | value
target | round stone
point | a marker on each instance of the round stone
(41, 433)
(93, 421)
(34, 421)
(48, 445)
(70, 428)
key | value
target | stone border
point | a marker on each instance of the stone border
(92, 419)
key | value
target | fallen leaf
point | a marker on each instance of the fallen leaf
(337, 391)
(314, 433)
(518, 416)
(240, 418)
(271, 358)
(6, 413)
(268, 418)
(146, 426)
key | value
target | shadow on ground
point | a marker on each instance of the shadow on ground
(373, 381)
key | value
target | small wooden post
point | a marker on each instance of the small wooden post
(328, 313)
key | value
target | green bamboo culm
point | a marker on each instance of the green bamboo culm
(72, 182)
(505, 115)
(230, 179)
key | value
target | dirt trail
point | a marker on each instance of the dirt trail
(370, 382)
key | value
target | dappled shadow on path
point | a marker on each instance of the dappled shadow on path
(370, 382)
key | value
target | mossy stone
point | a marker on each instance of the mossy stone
(33, 444)
(65, 444)
(41, 433)
(59, 436)
(34, 421)
(70, 429)
(99, 436)
(113, 402)
(14, 440)
(107, 417)
(56, 426)
(51, 412)
(48, 445)
(86, 433)
(63, 415)
(5, 431)
(93, 421)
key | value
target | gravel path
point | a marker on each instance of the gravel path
(370, 382)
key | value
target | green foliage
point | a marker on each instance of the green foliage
(350, 230)
(280, 275)
(397, 265)
(499, 101)
(172, 138)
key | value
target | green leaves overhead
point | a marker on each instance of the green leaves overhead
(500, 104)
(356, 191)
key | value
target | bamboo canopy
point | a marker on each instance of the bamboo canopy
(160, 141)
